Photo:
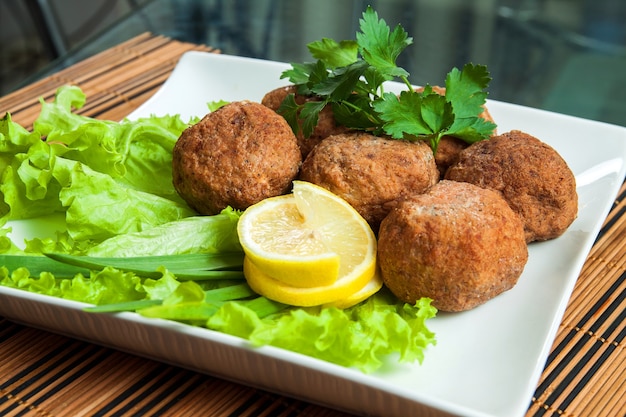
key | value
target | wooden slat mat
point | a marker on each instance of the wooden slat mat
(116, 81)
(44, 374)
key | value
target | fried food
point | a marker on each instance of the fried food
(370, 172)
(458, 244)
(448, 153)
(325, 127)
(531, 176)
(235, 156)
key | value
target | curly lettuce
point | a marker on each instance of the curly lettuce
(111, 184)
(107, 178)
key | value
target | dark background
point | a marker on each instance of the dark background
(567, 56)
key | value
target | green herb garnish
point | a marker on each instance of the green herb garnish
(215, 105)
(127, 242)
(350, 76)
(190, 266)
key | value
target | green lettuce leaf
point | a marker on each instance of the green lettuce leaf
(28, 187)
(14, 139)
(7, 246)
(37, 166)
(158, 289)
(101, 287)
(99, 208)
(198, 234)
(361, 336)
(61, 243)
(111, 182)
(136, 153)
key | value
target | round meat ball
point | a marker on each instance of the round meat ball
(370, 172)
(448, 153)
(531, 176)
(458, 244)
(235, 156)
(325, 127)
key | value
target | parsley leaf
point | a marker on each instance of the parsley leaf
(429, 116)
(415, 116)
(465, 91)
(341, 83)
(290, 110)
(334, 54)
(350, 76)
(299, 73)
(466, 88)
(379, 46)
(304, 117)
(309, 116)
(357, 112)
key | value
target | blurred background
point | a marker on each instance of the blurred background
(567, 56)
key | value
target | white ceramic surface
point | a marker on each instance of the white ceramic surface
(487, 361)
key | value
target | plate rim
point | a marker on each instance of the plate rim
(187, 59)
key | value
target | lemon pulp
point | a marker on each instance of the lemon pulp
(307, 248)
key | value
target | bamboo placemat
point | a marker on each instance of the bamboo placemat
(44, 374)
(116, 81)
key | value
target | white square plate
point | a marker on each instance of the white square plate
(487, 361)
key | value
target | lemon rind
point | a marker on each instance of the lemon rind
(276, 290)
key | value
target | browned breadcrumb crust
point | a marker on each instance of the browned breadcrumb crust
(236, 156)
(370, 172)
(458, 244)
(460, 240)
(448, 153)
(532, 177)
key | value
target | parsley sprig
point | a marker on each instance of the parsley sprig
(350, 75)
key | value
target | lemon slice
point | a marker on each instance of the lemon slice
(275, 238)
(276, 290)
(308, 239)
(371, 287)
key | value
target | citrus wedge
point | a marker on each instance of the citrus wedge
(371, 287)
(276, 290)
(308, 239)
(275, 238)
